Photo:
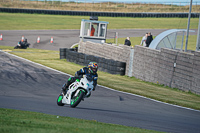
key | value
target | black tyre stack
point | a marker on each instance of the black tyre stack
(107, 14)
(106, 65)
(81, 58)
(63, 53)
(112, 66)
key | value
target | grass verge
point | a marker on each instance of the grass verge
(122, 83)
(100, 6)
(20, 21)
(32, 122)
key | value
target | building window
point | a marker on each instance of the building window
(102, 30)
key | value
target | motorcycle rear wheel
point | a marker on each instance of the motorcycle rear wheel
(77, 99)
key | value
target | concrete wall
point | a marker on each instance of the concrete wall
(168, 67)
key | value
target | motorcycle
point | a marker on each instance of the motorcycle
(22, 45)
(76, 92)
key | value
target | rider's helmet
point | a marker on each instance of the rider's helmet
(93, 67)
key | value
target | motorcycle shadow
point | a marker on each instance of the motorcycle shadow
(103, 110)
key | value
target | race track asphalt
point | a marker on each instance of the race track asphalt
(31, 87)
(65, 38)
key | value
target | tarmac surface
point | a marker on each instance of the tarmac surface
(25, 85)
(65, 38)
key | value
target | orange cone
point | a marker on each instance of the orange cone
(38, 39)
(51, 40)
(22, 38)
(1, 37)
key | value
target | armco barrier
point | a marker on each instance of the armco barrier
(107, 14)
(106, 65)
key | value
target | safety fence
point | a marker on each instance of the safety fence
(105, 65)
(107, 14)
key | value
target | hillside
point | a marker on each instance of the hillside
(100, 7)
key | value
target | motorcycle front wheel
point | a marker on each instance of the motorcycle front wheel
(77, 99)
(59, 100)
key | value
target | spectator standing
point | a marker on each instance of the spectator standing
(92, 31)
(149, 39)
(144, 38)
(127, 41)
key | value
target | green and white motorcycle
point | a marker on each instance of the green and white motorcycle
(76, 92)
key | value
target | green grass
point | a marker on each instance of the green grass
(19, 21)
(15, 121)
(123, 83)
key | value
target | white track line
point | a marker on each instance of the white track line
(74, 45)
(101, 85)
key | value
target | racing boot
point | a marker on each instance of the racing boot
(65, 88)
(88, 95)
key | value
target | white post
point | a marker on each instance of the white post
(116, 37)
(188, 26)
(198, 36)
(130, 70)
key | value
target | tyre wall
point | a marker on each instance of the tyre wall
(63, 52)
(107, 14)
(168, 67)
(118, 53)
(106, 65)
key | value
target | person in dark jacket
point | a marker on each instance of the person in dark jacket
(149, 39)
(90, 70)
(22, 44)
(127, 42)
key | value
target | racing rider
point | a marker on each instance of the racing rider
(91, 70)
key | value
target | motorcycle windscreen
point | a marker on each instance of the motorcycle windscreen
(89, 77)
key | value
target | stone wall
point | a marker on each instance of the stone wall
(195, 85)
(168, 67)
